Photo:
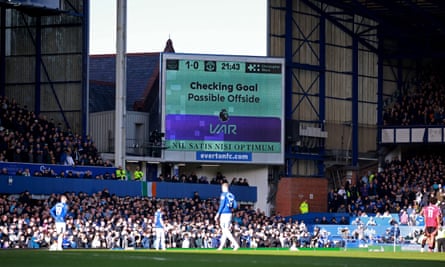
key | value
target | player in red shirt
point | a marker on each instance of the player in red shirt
(433, 217)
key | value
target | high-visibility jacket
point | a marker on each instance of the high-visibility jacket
(138, 175)
(304, 207)
(120, 174)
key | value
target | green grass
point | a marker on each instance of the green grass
(213, 258)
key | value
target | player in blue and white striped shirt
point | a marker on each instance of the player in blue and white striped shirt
(226, 204)
(59, 212)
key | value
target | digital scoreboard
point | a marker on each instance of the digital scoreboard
(223, 108)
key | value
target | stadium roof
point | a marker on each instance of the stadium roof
(103, 77)
(142, 74)
(408, 27)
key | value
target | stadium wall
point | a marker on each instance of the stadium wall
(292, 191)
(102, 130)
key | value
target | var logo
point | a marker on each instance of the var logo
(223, 128)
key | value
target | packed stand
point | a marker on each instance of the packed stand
(421, 104)
(102, 220)
(27, 137)
(401, 187)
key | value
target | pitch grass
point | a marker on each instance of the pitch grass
(212, 258)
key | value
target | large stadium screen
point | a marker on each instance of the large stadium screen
(223, 108)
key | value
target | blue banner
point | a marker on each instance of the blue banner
(13, 167)
(46, 186)
(12, 184)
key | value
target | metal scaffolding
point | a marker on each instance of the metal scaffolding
(384, 47)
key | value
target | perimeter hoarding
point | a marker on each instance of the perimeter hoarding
(225, 109)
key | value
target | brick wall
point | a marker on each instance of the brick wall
(292, 191)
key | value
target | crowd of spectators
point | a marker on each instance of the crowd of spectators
(103, 220)
(401, 187)
(422, 103)
(51, 173)
(218, 179)
(391, 197)
(27, 137)
(87, 174)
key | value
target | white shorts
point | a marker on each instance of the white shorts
(159, 232)
(225, 220)
(60, 227)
